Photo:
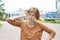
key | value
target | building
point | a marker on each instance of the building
(58, 9)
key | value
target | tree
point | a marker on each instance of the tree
(1, 10)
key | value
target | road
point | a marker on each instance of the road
(9, 32)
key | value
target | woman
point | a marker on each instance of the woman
(31, 30)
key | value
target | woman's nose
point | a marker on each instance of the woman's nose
(31, 16)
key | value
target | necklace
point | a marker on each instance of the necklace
(31, 25)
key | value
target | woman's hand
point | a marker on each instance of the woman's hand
(49, 37)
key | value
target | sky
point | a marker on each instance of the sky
(14, 5)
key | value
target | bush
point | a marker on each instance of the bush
(39, 20)
(49, 19)
(0, 25)
(1, 16)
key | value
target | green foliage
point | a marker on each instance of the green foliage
(0, 25)
(1, 16)
(1, 10)
(49, 19)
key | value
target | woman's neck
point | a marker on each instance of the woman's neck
(31, 23)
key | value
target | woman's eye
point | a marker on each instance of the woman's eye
(29, 14)
(33, 15)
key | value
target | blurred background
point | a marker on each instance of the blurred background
(49, 15)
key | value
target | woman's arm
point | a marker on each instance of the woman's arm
(50, 31)
(14, 21)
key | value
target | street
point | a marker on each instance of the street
(9, 32)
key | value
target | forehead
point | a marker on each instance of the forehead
(32, 13)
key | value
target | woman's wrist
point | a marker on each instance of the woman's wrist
(49, 37)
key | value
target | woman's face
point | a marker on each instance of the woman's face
(31, 16)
